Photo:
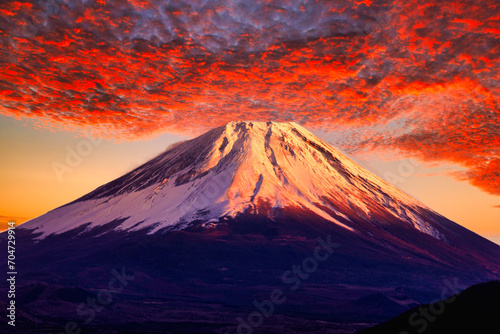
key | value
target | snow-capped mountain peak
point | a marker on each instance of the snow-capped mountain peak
(242, 167)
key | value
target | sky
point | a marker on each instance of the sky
(385, 81)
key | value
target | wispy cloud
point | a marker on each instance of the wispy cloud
(5, 220)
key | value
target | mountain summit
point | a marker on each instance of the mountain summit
(242, 167)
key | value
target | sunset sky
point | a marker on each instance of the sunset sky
(388, 82)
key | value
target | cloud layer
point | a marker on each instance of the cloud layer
(139, 67)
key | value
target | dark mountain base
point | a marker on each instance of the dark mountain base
(203, 280)
(475, 310)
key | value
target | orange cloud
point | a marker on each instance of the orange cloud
(135, 68)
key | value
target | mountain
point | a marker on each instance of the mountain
(251, 167)
(474, 310)
(250, 227)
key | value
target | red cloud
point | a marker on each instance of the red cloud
(140, 67)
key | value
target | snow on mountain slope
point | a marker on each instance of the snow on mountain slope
(239, 167)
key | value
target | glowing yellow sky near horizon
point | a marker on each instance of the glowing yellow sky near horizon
(30, 185)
